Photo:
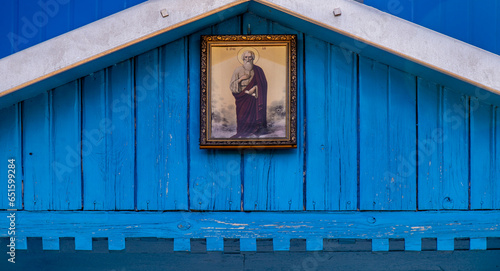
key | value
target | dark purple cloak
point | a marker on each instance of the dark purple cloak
(251, 112)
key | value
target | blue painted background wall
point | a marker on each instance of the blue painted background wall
(371, 137)
(474, 22)
(24, 23)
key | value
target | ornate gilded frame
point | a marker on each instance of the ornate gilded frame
(276, 53)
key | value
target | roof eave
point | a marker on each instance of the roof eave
(360, 28)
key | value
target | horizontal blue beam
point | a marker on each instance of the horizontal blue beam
(445, 226)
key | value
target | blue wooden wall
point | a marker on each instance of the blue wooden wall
(370, 137)
(24, 23)
(471, 21)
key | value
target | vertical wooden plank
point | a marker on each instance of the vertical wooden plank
(174, 124)
(430, 141)
(322, 186)
(443, 148)
(403, 148)
(149, 192)
(380, 244)
(161, 128)
(495, 185)
(331, 127)
(66, 163)
(248, 244)
(388, 132)
(36, 153)
(484, 123)
(214, 182)
(10, 148)
(274, 179)
(374, 138)
(96, 126)
(215, 244)
(121, 147)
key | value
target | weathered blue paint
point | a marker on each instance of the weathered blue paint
(443, 134)
(215, 244)
(108, 130)
(214, 175)
(116, 242)
(25, 23)
(280, 226)
(414, 244)
(182, 244)
(470, 21)
(94, 135)
(50, 243)
(66, 147)
(152, 92)
(109, 168)
(387, 137)
(273, 179)
(380, 244)
(145, 255)
(248, 244)
(37, 152)
(10, 148)
(139, 150)
(161, 128)
(485, 154)
(478, 243)
(331, 141)
(83, 243)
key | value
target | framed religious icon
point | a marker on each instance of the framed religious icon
(248, 91)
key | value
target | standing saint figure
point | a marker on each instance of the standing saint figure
(249, 88)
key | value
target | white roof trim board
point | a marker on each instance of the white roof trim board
(378, 29)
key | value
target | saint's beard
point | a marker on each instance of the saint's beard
(248, 65)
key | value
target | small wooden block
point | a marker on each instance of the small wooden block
(248, 244)
(478, 244)
(116, 243)
(182, 244)
(215, 244)
(83, 243)
(281, 244)
(413, 244)
(314, 244)
(380, 244)
(445, 244)
(50, 243)
(21, 243)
